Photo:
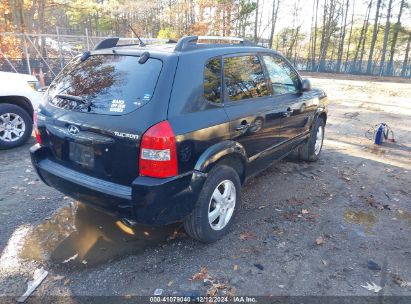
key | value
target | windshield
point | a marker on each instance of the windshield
(107, 84)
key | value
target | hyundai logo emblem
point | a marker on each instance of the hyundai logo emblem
(73, 130)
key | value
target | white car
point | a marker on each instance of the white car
(20, 95)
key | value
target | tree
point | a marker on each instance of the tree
(256, 22)
(342, 37)
(397, 28)
(386, 33)
(274, 14)
(330, 26)
(349, 36)
(406, 57)
(374, 38)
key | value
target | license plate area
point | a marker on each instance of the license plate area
(82, 155)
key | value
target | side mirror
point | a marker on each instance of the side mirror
(306, 85)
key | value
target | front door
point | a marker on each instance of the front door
(286, 89)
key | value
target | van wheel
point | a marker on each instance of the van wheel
(311, 150)
(216, 207)
(16, 126)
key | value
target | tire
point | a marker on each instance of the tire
(21, 129)
(197, 224)
(309, 151)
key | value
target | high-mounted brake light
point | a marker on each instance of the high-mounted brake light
(36, 130)
(158, 155)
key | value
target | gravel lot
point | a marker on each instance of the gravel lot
(322, 228)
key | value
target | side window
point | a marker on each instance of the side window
(283, 78)
(212, 80)
(244, 78)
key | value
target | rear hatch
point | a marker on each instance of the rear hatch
(95, 113)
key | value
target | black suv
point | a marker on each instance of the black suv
(168, 133)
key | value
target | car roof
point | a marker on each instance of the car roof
(186, 45)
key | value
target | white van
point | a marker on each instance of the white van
(20, 95)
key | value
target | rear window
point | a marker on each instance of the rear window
(105, 84)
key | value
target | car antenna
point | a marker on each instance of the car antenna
(141, 41)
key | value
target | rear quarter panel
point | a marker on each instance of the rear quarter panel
(196, 122)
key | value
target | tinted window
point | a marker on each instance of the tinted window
(244, 78)
(212, 80)
(113, 84)
(283, 78)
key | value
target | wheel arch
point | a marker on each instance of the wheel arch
(227, 152)
(321, 113)
(20, 101)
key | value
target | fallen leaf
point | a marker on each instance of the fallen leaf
(202, 274)
(400, 281)
(66, 282)
(246, 236)
(305, 211)
(319, 241)
(372, 287)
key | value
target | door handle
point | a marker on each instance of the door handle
(244, 126)
(287, 113)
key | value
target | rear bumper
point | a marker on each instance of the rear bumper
(149, 201)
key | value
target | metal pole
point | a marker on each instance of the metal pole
(88, 44)
(8, 61)
(27, 54)
(60, 50)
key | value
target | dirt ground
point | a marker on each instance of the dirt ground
(323, 228)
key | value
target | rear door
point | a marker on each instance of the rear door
(254, 119)
(96, 113)
(296, 106)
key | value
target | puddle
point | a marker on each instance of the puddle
(90, 235)
(367, 219)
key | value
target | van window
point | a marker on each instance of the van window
(109, 84)
(244, 78)
(212, 80)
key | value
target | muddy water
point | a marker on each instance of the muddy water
(367, 219)
(404, 215)
(88, 237)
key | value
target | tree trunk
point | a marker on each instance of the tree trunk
(374, 38)
(342, 39)
(364, 39)
(315, 38)
(407, 52)
(273, 21)
(386, 33)
(397, 27)
(349, 37)
(256, 22)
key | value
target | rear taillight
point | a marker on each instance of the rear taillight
(36, 130)
(158, 156)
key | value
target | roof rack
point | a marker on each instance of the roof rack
(112, 42)
(190, 42)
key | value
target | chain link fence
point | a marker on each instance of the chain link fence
(45, 55)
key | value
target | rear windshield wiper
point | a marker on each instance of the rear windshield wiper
(74, 98)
